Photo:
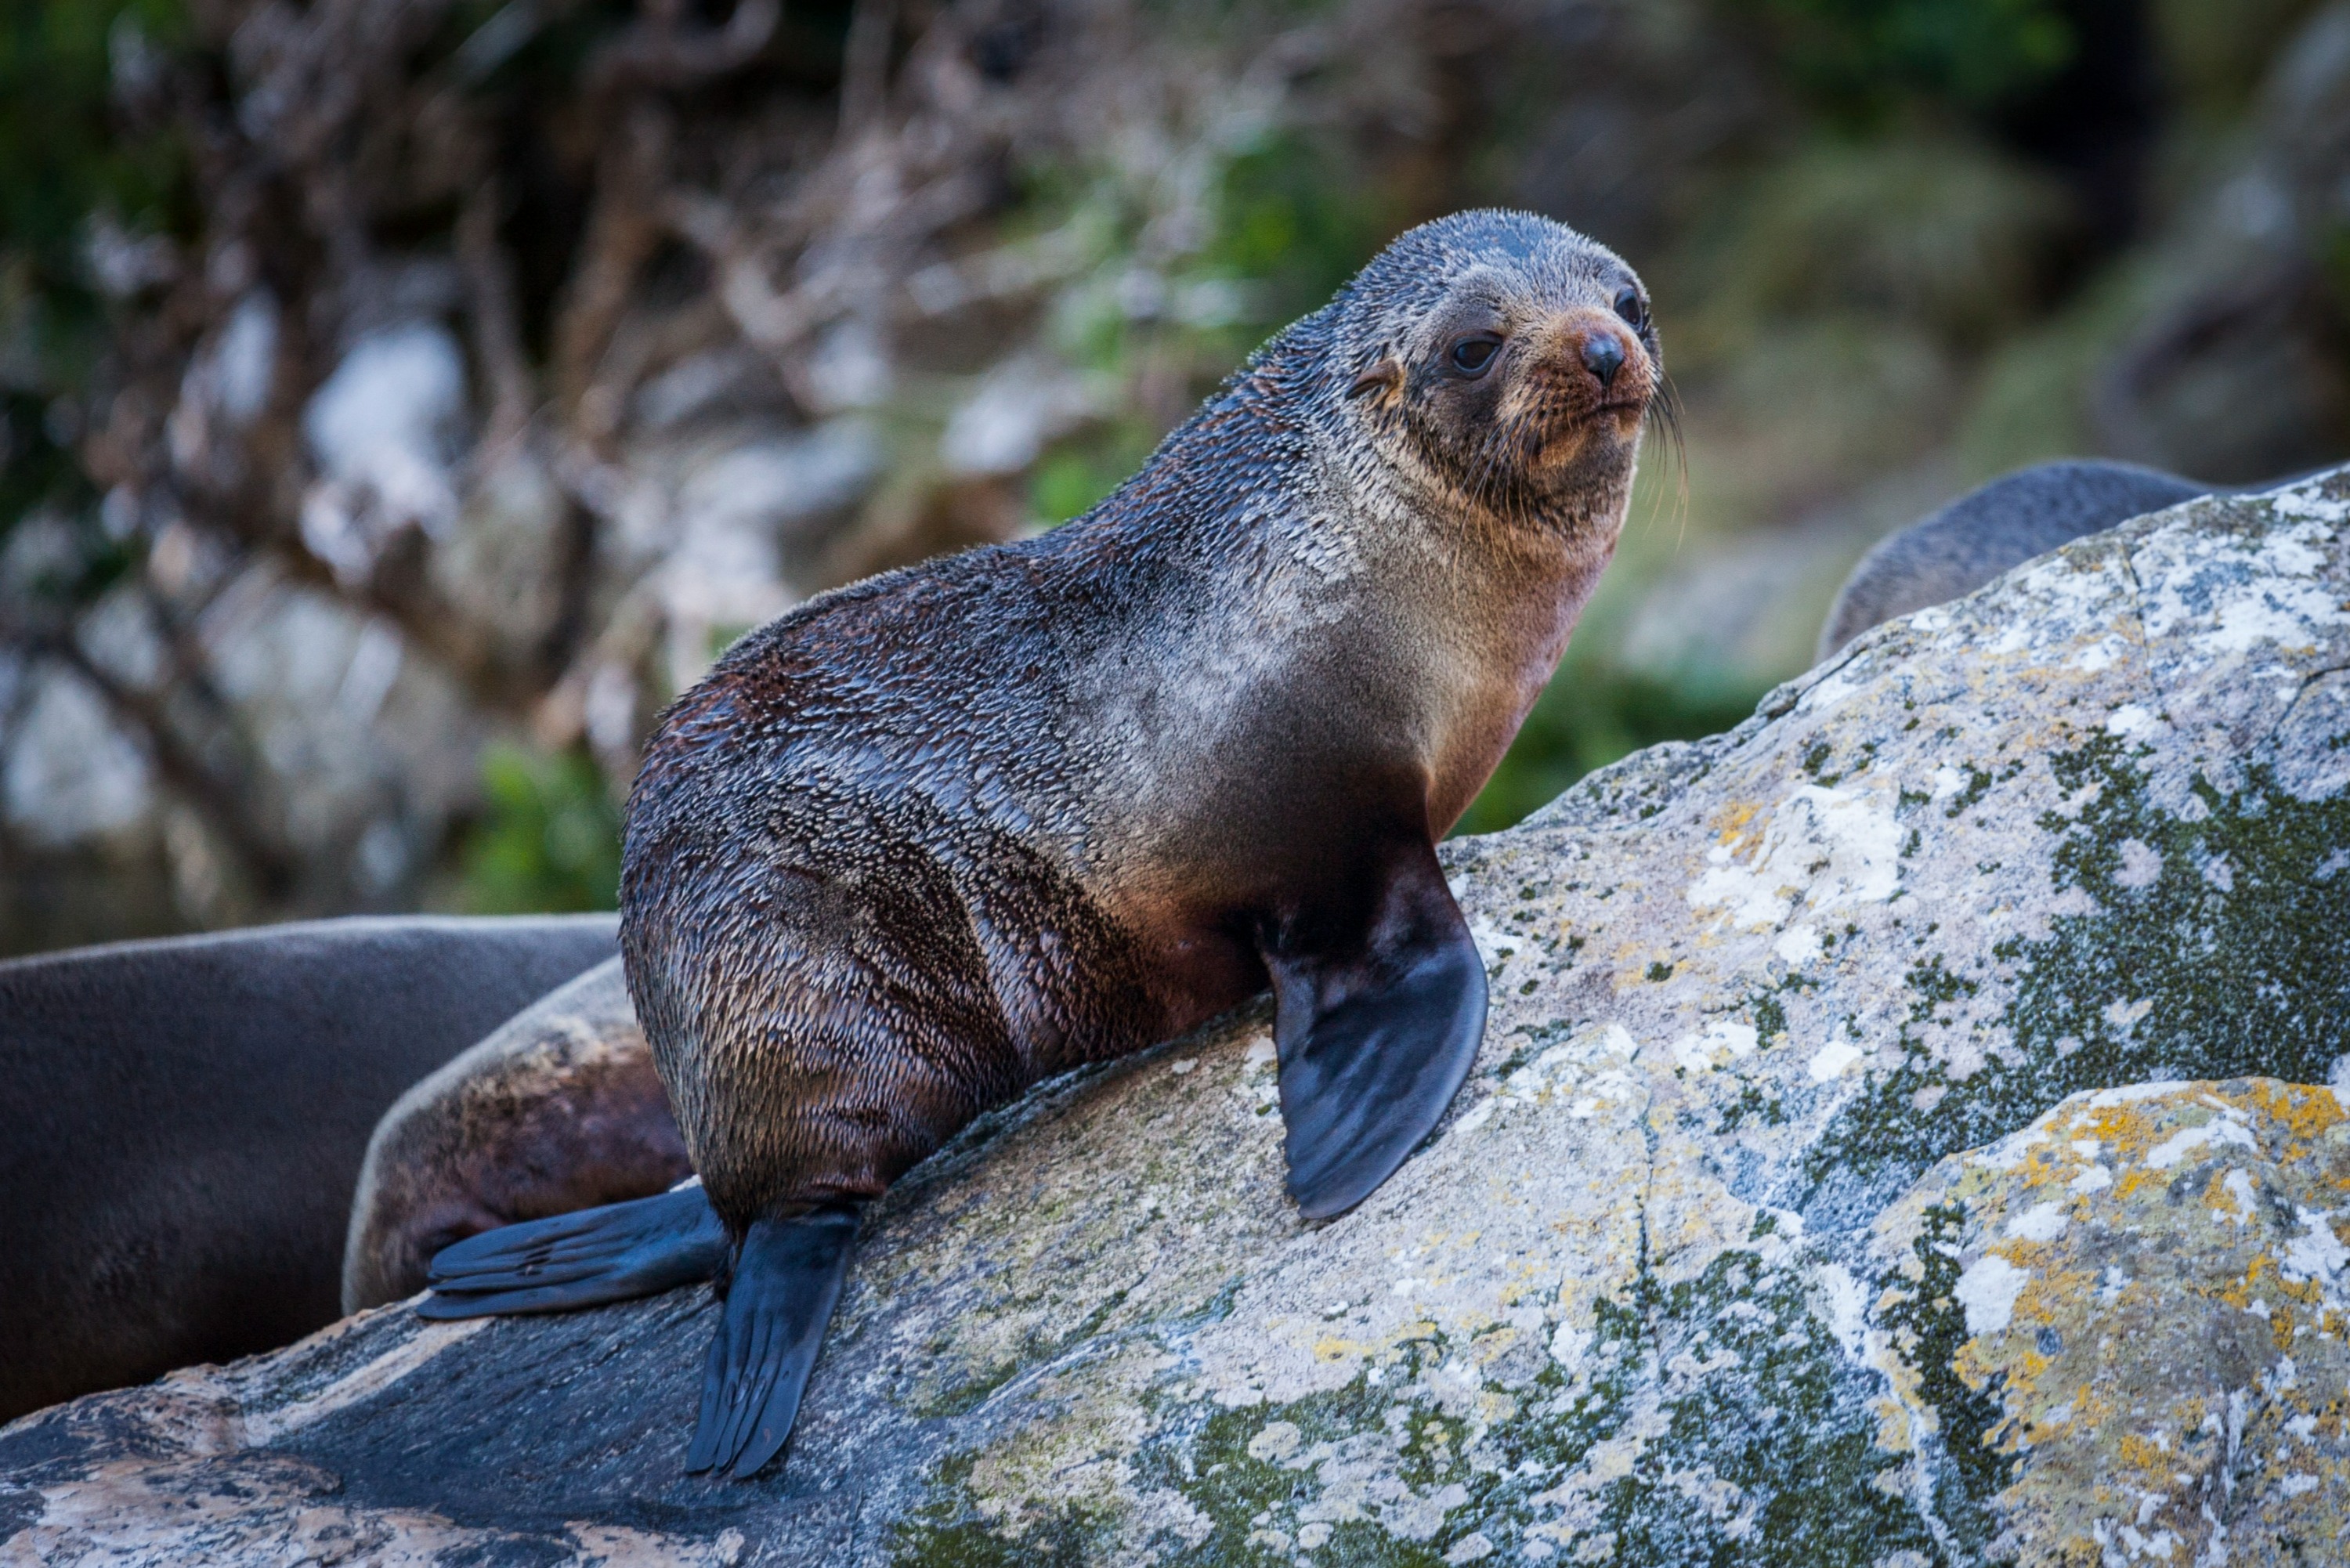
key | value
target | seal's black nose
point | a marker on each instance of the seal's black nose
(1603, 357)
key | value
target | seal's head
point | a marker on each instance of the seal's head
(1504, 361)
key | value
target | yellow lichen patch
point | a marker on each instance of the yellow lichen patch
(2137, 1451)
(1893, 1426)
(2305, 1113)
(2152, 1289)
(1729, 822)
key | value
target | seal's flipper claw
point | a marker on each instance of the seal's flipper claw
(582, 1259)
(1376, 1035)
(786, 1278)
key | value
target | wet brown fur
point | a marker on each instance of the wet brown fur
(937, 836)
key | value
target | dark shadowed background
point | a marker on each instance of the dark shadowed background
(405, 398)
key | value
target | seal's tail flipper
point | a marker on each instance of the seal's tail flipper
(581, 1259)
(786, 1278)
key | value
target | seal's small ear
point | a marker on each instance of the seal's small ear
(1382, 375)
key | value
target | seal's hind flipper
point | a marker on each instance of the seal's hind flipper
(581, 1258)
(786, 1278)
(1376, 1037)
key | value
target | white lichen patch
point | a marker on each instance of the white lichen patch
(1822, 849)
(1716, 1046)
(2228, 598)
(1987, 1293)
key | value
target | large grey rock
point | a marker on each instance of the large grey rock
(1678, 1281)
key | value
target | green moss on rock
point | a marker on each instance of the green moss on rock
(2215, 948)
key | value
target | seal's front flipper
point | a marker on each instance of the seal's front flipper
(581, 1259)
(1377, 1027)
(786, 1278)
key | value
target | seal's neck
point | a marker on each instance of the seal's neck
(1481, 601)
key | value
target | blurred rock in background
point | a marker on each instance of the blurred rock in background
(404, 400)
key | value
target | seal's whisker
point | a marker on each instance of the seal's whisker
(1663, 423)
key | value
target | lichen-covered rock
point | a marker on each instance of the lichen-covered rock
(2132, 1319)
(1645, 1299)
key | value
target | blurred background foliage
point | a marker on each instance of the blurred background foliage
(548, 839)
(402, 402)
(1867, 62)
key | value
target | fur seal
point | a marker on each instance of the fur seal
(1990, 530)
(558, 1109)
(931, 838)
(184, 1120)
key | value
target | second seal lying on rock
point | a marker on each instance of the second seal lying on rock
(1990, 530)
(556, 1109)
(933, 838)
(184, 1119)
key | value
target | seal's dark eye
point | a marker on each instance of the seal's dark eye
(1472, 355)
(1632, 308)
